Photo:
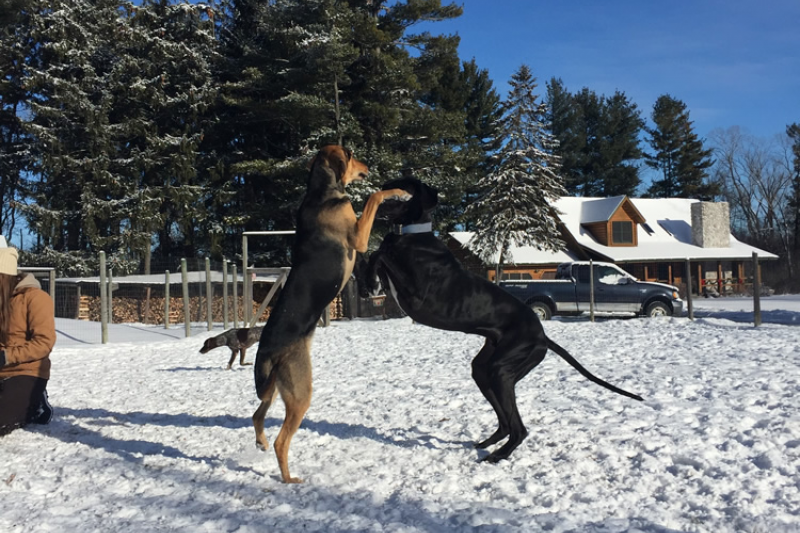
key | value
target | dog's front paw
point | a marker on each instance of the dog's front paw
(398, 194)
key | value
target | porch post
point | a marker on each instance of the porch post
(756, 290)
(689, 306)
(700, 280)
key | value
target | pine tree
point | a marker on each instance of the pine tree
(598, 140)
(298, 75)
(678, 154)
(621, 126)
(569, 127)
(483, 113)
(460, 108)
(15, 46)
(117, 95)
(163, 87)
(275, 109)
(515, 205)
(793, 131)
(11, 11)
(69, 119)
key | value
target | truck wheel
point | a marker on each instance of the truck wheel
(542, 310)
(657, 309)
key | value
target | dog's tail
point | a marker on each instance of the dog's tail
(585, 373)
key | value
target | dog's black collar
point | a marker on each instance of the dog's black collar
(423, 227)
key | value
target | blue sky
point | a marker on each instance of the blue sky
(733, 62)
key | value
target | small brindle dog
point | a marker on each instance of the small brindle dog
(237, 339)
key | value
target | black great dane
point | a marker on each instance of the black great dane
(432, 287)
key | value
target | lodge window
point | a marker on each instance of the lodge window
(622, 232)
(514, 276)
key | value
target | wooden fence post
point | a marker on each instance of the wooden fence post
(247, 285)
(225, 294)
(110, 289)
(186, 307)
(103, 300)
(166, 299)
(209, 296)
(235, 296)
(53, 287)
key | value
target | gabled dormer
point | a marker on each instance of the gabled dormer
(612, 221)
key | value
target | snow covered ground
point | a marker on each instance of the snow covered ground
(153, 436)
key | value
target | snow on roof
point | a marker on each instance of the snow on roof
(599, 209)
(670, 238)
(523, 255)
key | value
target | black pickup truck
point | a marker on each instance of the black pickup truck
(615, 291)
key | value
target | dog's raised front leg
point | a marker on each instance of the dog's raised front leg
(364, 224)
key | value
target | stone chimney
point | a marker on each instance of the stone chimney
(711, 224)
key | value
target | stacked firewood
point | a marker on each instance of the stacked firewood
(151, 311)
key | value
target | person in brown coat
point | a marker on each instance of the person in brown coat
(27, 336)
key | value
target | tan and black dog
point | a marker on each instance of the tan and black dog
(237, 339)
(327, 237)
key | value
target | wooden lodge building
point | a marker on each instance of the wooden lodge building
(651, 239)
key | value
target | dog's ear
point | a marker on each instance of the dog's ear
(429, 197)
(338, 159)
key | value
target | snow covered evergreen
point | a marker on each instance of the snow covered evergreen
(118, 95)
(514, 203)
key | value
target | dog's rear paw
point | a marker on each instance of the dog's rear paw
(491, 458)
(496, 437)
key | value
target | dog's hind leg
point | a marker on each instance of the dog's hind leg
(294, 385)
(508, 367)
(481, 368)
(266, 398)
